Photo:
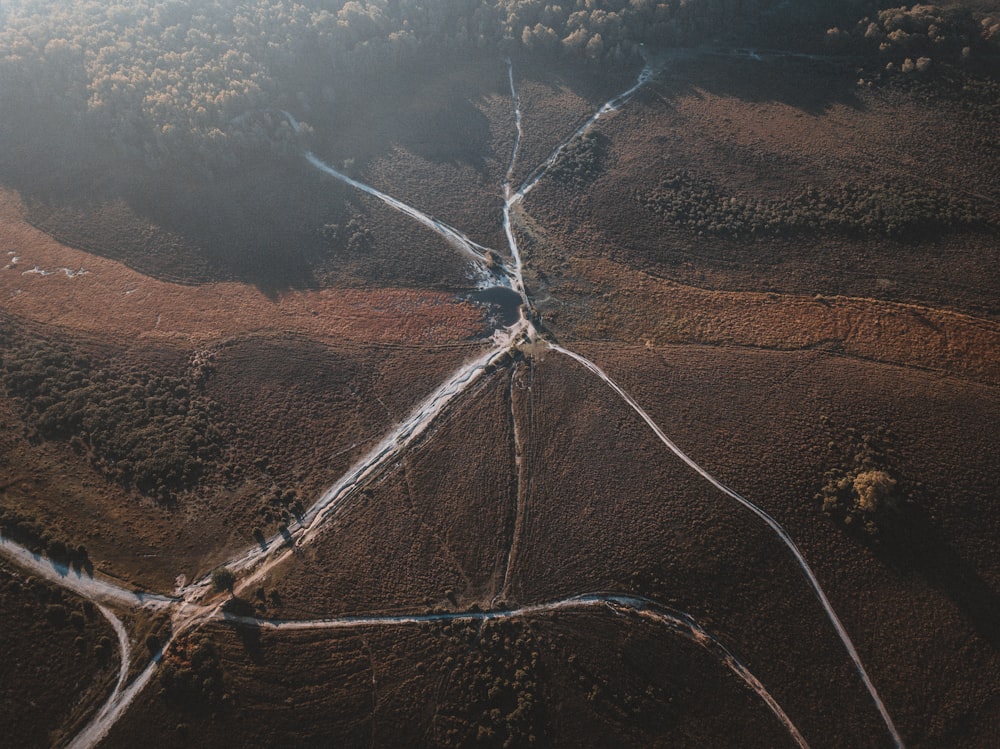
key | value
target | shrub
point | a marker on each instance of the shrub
(580, 162)
(223, 579)
(151, 432)
(887, 210)
(861, 491)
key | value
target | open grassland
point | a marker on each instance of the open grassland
(920, 596)
(786, 175)
(435, 532)
(107, 457)
(608, 301)
(792, 272)
(115, 301)
(555, 680)
(609, 508)
(276, 225)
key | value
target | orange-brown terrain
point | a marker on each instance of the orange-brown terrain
(790, 263)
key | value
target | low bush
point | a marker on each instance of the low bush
(148, 431)
(862, 491)
(886, 210)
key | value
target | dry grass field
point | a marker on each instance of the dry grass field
(758, 133)
(921, 597)
(435, 532)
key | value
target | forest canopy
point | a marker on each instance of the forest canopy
(199, 77)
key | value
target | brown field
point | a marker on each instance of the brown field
(766, 358)
(278, 224)
(766, 131)
(51, 673)
(610, 508)
(113, 300)
(294, 414)
(410, 687)
(442, 142)
(922, 599)
(612, 302)
(435, 532)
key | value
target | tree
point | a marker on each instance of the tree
(223, 579)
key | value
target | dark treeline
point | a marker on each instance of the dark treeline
(154, 80)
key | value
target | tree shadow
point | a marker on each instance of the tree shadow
(452, 130)
(258, 223)
(812, 85)
(248, 632)
(430, 108)
(912, 543)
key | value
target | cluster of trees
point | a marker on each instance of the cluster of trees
(354, 235)
(154, 433)
(196, 77)
(861, 492)
(192, 677)
(279, 507)
(32, 535)
(496, 700)
(581, 161)
(223, 580)
(856, 210)
(910, 38)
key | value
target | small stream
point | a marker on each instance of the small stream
(503, 303)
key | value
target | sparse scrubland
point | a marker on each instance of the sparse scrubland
(783, 246)
(59, 660)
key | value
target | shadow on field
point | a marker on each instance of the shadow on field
(913, 544)
(813, 86)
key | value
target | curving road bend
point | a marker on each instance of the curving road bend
(95, 589)
(678, 622)
(99, 725)
(114, 708)
(476, 251)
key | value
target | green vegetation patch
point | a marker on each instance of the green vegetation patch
(494, 692)
(151, 432)
(886, 210)
(862, 491)
(581, 161)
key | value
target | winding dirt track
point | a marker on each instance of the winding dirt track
(95, 589)
(676, 621)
